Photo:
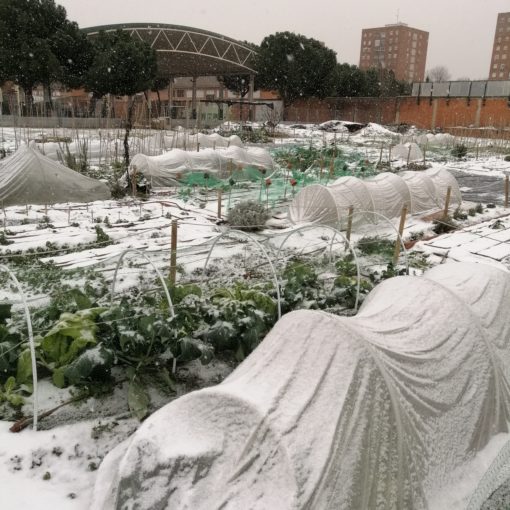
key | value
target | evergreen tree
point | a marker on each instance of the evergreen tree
(295, 66)
(122, 66)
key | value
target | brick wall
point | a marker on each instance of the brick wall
(425, 113)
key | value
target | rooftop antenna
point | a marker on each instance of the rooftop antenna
(398, 11)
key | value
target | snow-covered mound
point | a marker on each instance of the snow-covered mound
(374, 411)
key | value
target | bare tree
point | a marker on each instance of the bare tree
(439, 73)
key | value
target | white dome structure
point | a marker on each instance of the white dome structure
(386, 194)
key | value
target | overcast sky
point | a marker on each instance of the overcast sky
(461, 31)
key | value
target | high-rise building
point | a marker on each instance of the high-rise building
(396, 47)
(500, 61)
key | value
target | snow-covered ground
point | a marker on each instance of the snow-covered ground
(56, 468)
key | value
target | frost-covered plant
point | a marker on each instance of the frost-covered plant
(459, 151)
(248, 215)
(443, 225)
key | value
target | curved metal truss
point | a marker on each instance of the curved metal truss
(186, 51)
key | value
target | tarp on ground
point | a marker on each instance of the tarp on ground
(29, 177)
(375, 411)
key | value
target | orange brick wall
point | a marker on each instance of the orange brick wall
(425, 113)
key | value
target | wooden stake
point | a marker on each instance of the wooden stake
(198, 147)
(447, 201)
(409, 154)
(401, 226)
(389, 156)
(331, 168)
(349, 222)
(133, 182)
(219, 203)
(506, 191)
(68, 215)
(173, 253)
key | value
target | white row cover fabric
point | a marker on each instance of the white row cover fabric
(386, 194)
(29, 177)
(162, 170)
(407, 152)
(369, 412)
(183, 140)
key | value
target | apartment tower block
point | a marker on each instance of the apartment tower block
(500, 61)
(397, 47)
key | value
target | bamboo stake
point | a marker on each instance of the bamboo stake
(219, 203)
(447, 201)
(173, 253)
(349, 223)
(506, 191)
(396, 253)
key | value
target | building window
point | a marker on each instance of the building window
(496, 57)
(494, 75)
(503, 57)
(179, 93)
(495, 66)
(377, 43)
(498, 48)
(415, 36)
(501, 75)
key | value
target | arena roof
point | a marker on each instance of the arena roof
(187, 51)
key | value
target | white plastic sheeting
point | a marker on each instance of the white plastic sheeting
(442, 180)
(374, 411)
(407, 152)
(385, 194)
(29, 177)
(422, 190)
(183, 140)
(162, 170)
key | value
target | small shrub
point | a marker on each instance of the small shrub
(444, 225)
(102, 236)
(472, 211)
(248, 215)
(507, 157)
(459, 214)
(479, 208)
(459, 151)
(3, 239)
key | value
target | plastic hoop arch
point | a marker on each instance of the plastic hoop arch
(264, 252)
(399, 237)
(30, 341)
(138, 252)
(335, 232)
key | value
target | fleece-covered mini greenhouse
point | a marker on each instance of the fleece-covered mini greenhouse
(166, 169)
(379, 411)
(386, 194)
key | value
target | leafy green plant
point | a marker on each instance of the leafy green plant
(479, 208)
(376, 246)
